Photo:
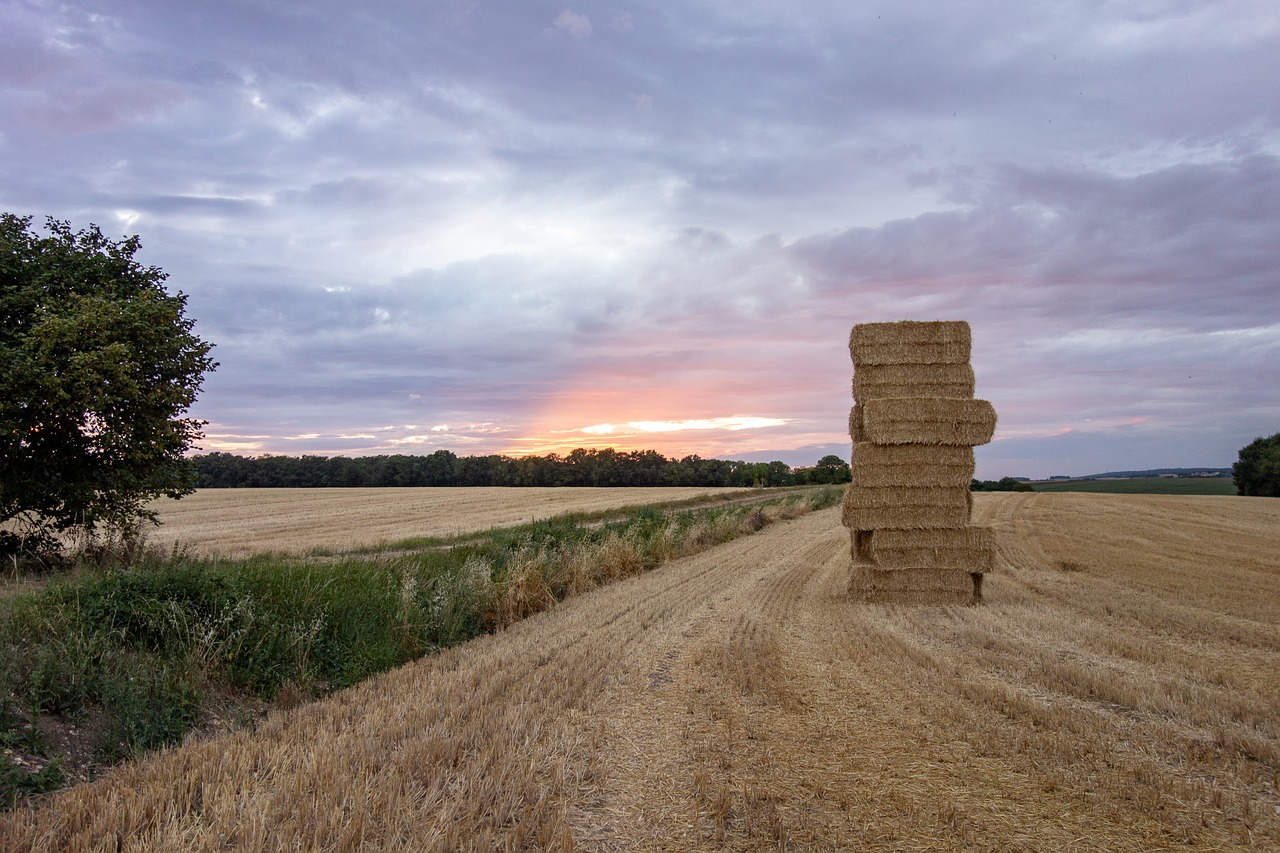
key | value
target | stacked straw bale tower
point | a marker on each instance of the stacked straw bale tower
(914, 426)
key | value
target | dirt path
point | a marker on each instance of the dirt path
(738, 701)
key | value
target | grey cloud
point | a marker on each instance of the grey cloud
(1186, 245)
(462, 202)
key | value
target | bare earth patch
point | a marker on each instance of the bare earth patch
(737, 700)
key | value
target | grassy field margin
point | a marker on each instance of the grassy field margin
(1143, 486)
(106, 664)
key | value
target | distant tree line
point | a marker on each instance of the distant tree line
(1004, 484)
(581, 467)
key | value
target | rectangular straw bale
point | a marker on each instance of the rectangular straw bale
(918, 597)
(856, 431)
(906, 517)
(972, 549)
(922, 587)
(907, 508)
(859, 578)
(911, 342)
(877, 381)
(926, 420)
(911, 332)
(951, 580)
(901, 496)
(912, 465)
(858, 542)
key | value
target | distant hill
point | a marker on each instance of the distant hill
(1157, 472)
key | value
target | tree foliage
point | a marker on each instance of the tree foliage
(1004, 484)
(831, 469)
(1257, 472)
(580, 467)
(98, 365)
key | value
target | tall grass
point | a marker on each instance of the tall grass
(135, 651)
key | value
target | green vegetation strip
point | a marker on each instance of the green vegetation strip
(1144, 486)
(130, 658)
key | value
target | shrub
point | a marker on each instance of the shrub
(148, 704)
(1257, 473)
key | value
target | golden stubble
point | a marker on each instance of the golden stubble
(1117, 691)
(243, 522)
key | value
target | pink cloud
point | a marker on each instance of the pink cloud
(78, 111)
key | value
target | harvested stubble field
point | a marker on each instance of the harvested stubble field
(244, 522)
(1118, 691)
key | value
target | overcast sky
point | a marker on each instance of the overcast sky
(524, 227)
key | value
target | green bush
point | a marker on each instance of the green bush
(1257, 472)
(148, 704)
(18, 781)
(160, 608)
(55, 655)
(21, 731)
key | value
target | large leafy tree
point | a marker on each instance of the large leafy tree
(98, 366)
(1257, 472)
(830, 469)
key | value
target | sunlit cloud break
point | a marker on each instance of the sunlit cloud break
(635, 215)
(731, 424)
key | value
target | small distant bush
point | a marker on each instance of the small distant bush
(1004, 484)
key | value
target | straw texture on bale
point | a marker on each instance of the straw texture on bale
(910, 342)
(914, 425)
(919, 586)
(969, 549)
(911, 465)
(858, 544)
(907, 508)
(856, 432)
(924, 420)
(915, 597)
(878, 381)
(950, 580)
(907, 496)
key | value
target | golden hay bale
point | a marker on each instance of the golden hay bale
(856, 431)
(906, 508)
(949, 579)
(877, 381)
(912, 465)
(912, 332)
(922, 586)
(859, 578)
(858, 545)
(925, 420)
(972, 549)
(906, 496)
(906, 517)
(910, 342)
(919, 597)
